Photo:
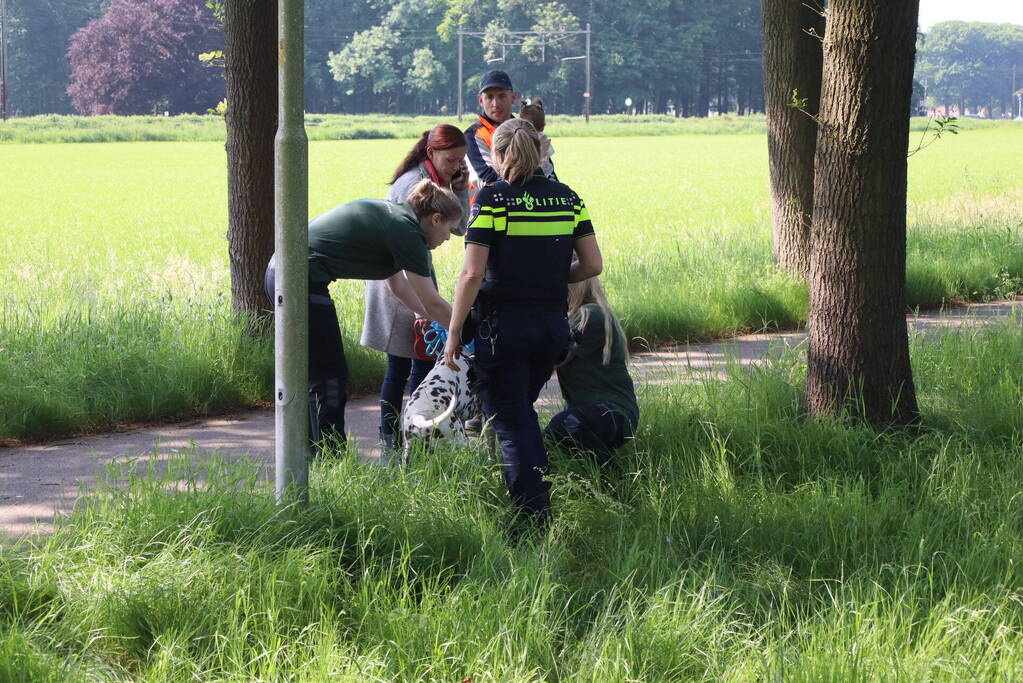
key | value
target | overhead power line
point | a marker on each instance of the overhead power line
(546, 38)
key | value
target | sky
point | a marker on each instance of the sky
(996, 11)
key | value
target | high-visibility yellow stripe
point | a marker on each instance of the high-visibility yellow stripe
(531, 214)
(544, 229)
(483, 221)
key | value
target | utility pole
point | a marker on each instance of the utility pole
(586, 95)
(460, 85)
(3, 59)
(521, 36)
(1015, 91)
(1018, 94)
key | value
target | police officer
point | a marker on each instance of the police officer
(367, 239)
(518, 263)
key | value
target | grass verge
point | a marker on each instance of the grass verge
(735, 541)
(115, 265)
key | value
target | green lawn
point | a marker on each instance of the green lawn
(735, 540)
(116, 270)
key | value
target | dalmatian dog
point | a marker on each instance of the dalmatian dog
(439, 407)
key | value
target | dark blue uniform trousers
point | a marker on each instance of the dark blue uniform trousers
(511, 371)
(328, 369)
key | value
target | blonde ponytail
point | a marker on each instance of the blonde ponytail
(590, 291)
(428, 198)
(518, 144)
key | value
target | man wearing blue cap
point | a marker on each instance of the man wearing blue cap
(496, 97)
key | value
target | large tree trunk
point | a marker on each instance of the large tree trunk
(250, 57)
(792, 62)
(859, 348)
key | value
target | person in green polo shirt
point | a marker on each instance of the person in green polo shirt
(368, 239)
(601, 411)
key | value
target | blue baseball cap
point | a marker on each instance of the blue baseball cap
(495, 79)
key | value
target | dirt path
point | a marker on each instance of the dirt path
(39, 481)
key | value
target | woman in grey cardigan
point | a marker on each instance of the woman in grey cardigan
(439, 155)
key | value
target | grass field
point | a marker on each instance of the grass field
(734, 542)
(114, 258)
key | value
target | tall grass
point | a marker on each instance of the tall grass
(734, 541)
(194, 128)
(115, 264)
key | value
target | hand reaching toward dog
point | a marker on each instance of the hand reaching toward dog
(453, 349)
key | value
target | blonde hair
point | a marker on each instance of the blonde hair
(429, 198)
(590, 291)
(518, 144)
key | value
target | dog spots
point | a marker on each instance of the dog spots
(441, 390)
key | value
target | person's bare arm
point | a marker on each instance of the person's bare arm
(469, 280)
(590, 263)
(420, 292)
(403, 292)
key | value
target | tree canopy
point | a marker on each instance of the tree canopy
(664, 55)
(141, 57)
(970, 65)
(690, 57)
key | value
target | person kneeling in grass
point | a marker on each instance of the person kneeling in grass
(368, 239)
(601, 410)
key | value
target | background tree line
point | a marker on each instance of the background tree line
(971, 66)
(400, 56)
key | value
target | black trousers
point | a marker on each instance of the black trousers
(595, 428)
(328, 369)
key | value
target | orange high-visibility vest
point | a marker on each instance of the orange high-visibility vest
(485, 133)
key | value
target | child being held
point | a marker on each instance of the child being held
(532, 111)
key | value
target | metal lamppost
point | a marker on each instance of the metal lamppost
(291, 248)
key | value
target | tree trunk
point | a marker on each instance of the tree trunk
(250, 57)
(792, 62)
(859, 348)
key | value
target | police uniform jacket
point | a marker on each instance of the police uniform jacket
(530, 229)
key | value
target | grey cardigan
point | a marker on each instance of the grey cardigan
(387, 325)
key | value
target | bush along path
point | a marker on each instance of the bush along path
(37, 481)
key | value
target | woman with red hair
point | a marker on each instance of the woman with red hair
(439, 155)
